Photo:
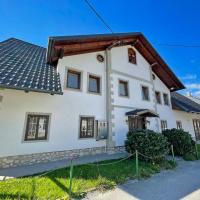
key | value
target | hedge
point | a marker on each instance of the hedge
(148, 143)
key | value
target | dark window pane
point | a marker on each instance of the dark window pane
(166, 99)
(87, 127)
(163, 125)
(131, 56)
(73, 79)
(158, 97)
(37, 127)
(145, 93)
(179, 124)
(123, 88)
(94, 84)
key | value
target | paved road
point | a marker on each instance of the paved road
(181, 183)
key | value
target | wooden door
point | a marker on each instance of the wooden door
(136, 122)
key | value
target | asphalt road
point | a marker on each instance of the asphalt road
(181, 183)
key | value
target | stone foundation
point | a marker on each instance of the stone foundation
(30, 159)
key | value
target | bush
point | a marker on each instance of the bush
(147, 142)
(181, 141)
(190, 156)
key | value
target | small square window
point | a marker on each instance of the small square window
(178, 124)
(145, 93)
(36, 127)
(166, 99)
(163, 125)
(123, 88)
(86, 127)
(158, 97)
(94, 84)
(132, 56)
(74, 79)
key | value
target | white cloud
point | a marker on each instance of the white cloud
(195, 86)
(189, 77)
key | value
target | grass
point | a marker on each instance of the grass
(55, 185)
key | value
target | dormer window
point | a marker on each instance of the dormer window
(132, 56)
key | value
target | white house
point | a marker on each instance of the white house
(82, 94)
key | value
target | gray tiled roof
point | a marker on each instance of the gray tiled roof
(23, 67)
(183, 103)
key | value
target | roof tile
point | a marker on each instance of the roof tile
(23, 66)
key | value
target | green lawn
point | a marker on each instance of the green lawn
(56, 184)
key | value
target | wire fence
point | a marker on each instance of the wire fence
(98, 164)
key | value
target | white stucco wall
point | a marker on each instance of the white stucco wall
(165, 111)
(137, 75)
(186, 120)
(65, 111)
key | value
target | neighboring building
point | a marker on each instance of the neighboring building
(187, 114)
(80, 95)
(194, 98)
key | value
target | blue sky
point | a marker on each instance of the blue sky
(162, 22)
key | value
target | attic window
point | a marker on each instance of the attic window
(132, 56)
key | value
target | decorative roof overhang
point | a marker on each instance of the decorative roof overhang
(72, 45)
(142, 113)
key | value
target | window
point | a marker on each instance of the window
(87, 127)
(163, 125)
(123, 88)
(37, 127)
(158, 97)
(131, 56)
(178, 124)
(145, 93)
(74, 79)
(94, 84)
(196, 124)
(166, 99)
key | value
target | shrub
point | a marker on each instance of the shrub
(181, 141)
(190, 156)
(148, 143)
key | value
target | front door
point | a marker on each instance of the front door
(136, 122)
(196, 124)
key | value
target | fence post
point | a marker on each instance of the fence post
(172, 149)
(71, 176)
(197, 153)
(137, 164)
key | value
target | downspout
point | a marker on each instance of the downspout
(109, 108)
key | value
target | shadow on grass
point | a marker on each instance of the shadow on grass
(85, 178)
